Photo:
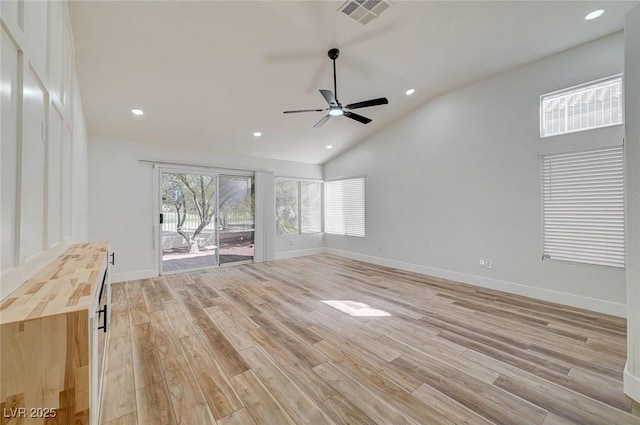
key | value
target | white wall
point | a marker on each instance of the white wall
(121, 196)
(459, 180)
(632, 154)
(43, 156)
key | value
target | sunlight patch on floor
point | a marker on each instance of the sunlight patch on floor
(355, 308)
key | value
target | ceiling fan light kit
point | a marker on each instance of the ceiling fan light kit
(336, 108)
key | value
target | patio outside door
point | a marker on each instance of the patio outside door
(206, 220)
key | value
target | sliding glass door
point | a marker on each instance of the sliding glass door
(205, 220)
(236, 198)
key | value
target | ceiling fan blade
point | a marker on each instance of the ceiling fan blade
(367, 103)
(322, 121)
(329, 97)
(303, 110)
(359, 118)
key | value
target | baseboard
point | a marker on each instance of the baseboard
(600, 306)
(137, 275)
(631, 384)
(298, 253)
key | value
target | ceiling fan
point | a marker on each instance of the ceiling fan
(335, 107)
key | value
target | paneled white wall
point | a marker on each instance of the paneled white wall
(44, 151)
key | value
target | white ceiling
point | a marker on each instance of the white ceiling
(209, 74)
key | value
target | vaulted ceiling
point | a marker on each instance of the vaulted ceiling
(210, 74)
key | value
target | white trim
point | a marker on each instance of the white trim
(592, 140)
(600, 306)
(137, 275)
(178, 167)
(631, 384)
(298, 253)
(299, 179)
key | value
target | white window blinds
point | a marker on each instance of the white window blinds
(592, 105)
(344, 207)
(583, 206)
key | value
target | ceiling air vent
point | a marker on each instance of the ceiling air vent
(364, 11)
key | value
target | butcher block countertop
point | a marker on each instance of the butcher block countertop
(67, 284)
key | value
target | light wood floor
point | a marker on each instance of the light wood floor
(256, 344)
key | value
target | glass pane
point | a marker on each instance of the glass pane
(188, 222)
(311, 207)
(236, 197)
(287, 207)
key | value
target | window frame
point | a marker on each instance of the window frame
(299, 182)
(576, 87)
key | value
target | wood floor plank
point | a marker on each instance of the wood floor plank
(138, 312)
(153, 405)
(300, 407)
(234, 333)
(566, 404)
(189, 405)
(486, 400)
(152, 298)
(375, 380)
(343, 412)
(240, 417)
(166, 338)
(118, 384)
(128, 419)
(449, 408)
(256, 344)
(348, 354)
(217, 390)
(314, 386)
(179, 320)
(373, 406)
(147, 369)
(118, 293)
(303, 351)
(119, 324)
(264, 409)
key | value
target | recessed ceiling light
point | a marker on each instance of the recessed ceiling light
(257, 134)
(137, 111)
(410, 92)
(593, 15)
(329, 146)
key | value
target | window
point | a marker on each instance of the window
(591, 105)
(583, 206)
(298, 207)
(344, 207)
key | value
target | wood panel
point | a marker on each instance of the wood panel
(257, 345)
(45, 352)
(65, 285)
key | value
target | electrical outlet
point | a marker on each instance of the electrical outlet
(485, 263)
(291, 242)
(379, 247)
